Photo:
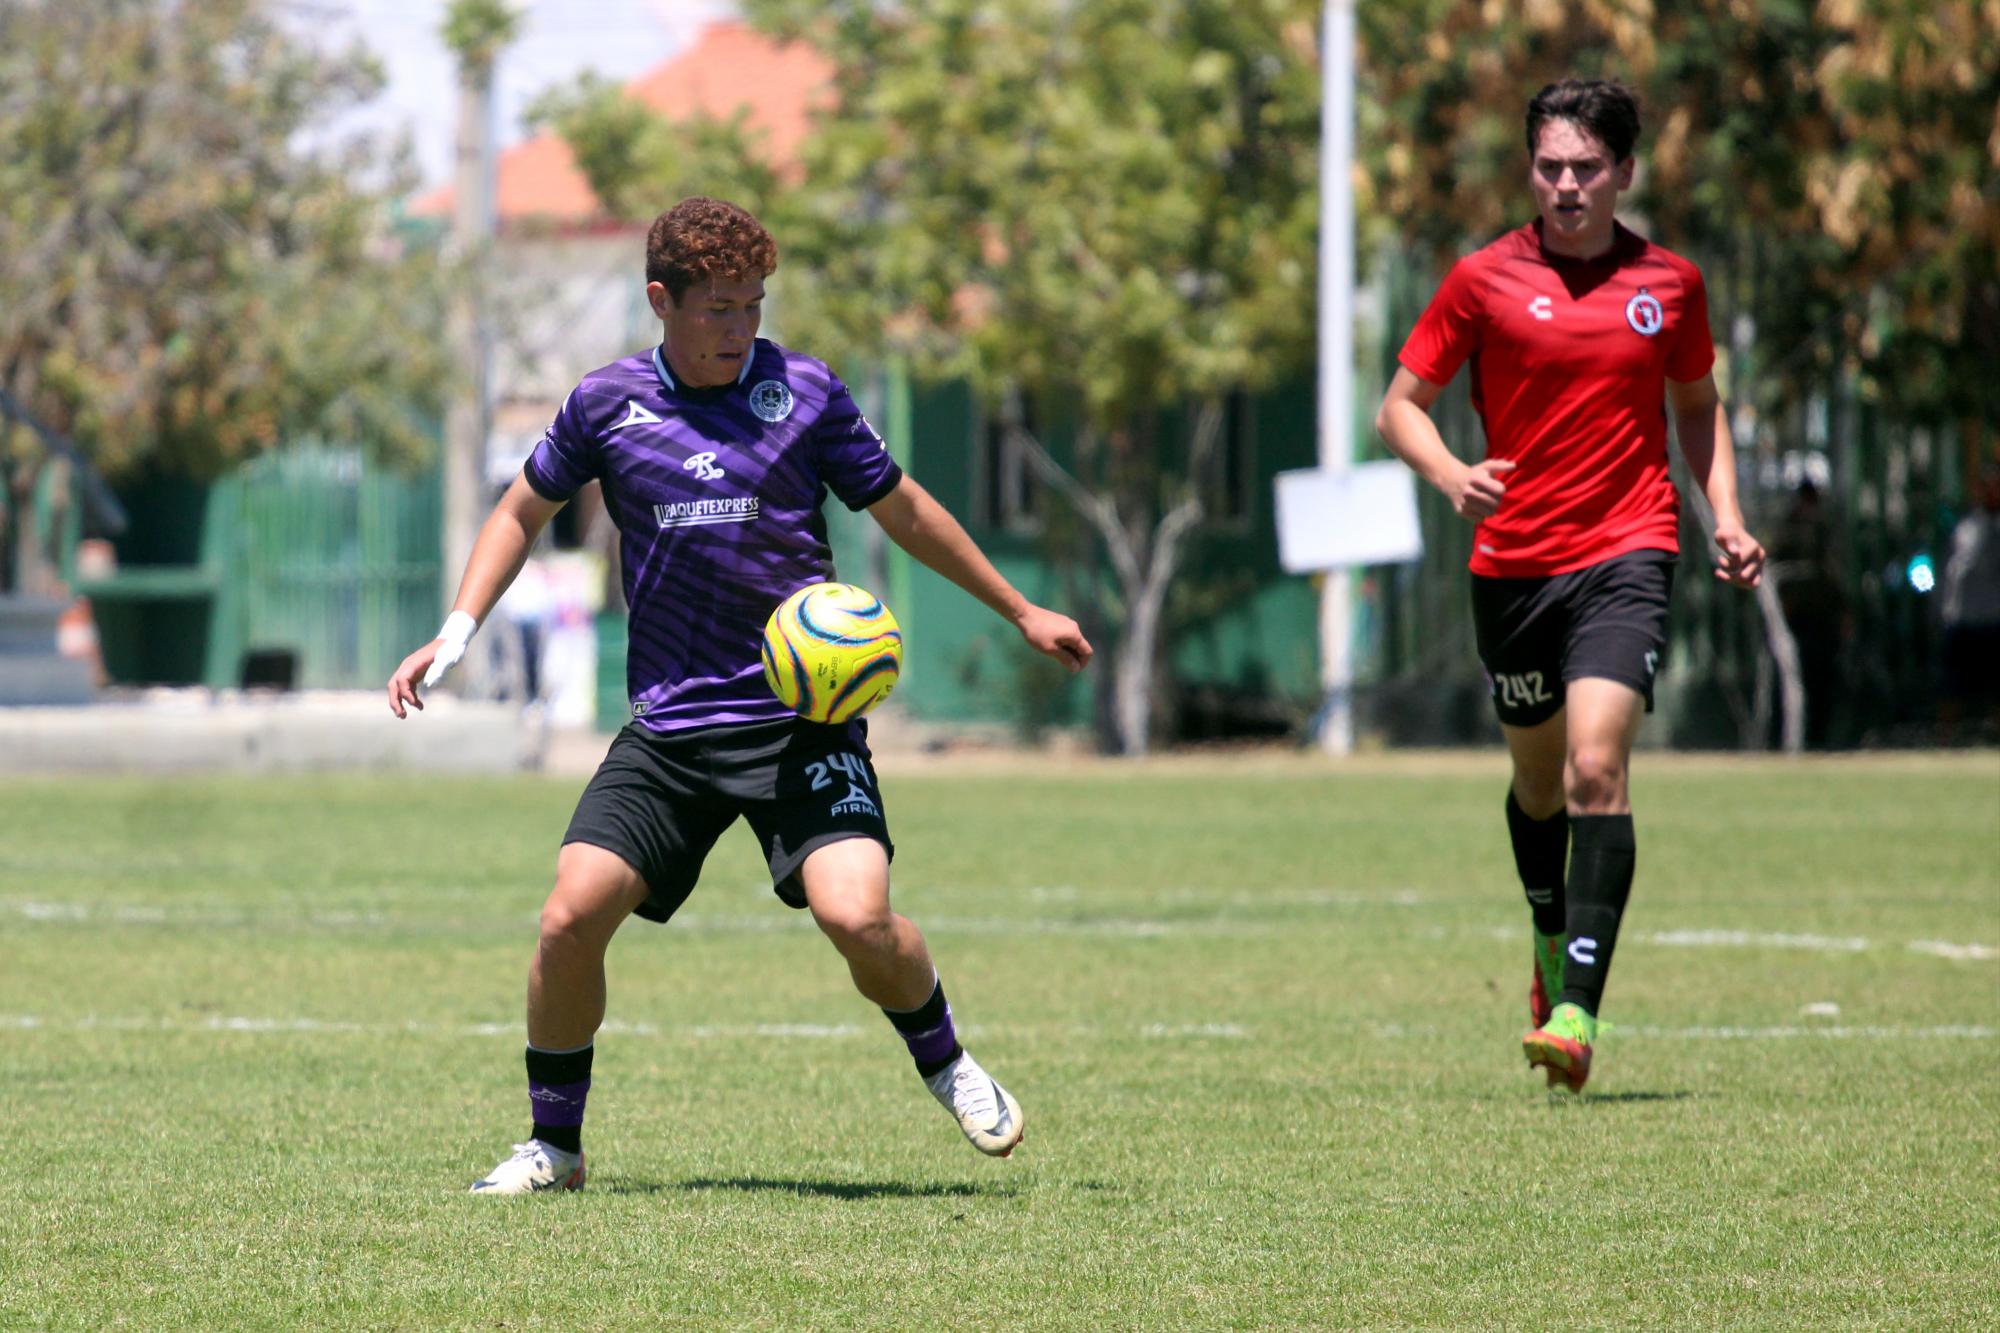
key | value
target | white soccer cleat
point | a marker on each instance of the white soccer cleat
(990, 1117)
(534, 1166)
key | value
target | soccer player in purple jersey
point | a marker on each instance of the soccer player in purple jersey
(715, 451)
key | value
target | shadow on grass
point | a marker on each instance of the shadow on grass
(825, 1189)
(1609, 1098)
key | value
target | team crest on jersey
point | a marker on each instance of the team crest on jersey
(1644, 314)
(771, 400)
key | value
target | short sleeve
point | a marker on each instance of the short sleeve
(1449, 330)
(567, 456)
(849, 456)
(1693, 355)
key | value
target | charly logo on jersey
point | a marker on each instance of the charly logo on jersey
(1542, 308)
(1644, 314)
(703, 466)
(771, 400)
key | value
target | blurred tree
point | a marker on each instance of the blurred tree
(638, 162)
(1106, 209)
(1839, 161)
(181, 284)
(477, 31)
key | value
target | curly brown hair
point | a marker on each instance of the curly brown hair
(700, 239)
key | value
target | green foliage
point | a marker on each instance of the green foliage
(1838, 162)
(476, 31)
(1112, 202)
(181, 283)
(638, 163)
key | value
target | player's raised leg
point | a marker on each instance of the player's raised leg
(1538, 828)
(595, 891)
(1604, 717)
(847, 888)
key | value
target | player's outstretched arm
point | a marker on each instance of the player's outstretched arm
(497, 556)
(923, 527)
(1404, 423)
(1702, 426)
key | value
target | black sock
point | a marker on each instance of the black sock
(1600, 880)
(1541, 855)
(927, 1030)
(558, 1083)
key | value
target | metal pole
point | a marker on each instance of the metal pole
(1336, 354)
(468, 416)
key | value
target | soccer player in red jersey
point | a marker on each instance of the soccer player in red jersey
(1583, 339)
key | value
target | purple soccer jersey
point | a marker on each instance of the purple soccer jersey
(716, 494)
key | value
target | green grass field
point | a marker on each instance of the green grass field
(258, 1036)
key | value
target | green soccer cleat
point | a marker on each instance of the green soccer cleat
(1548, 977)
(1561, 1046)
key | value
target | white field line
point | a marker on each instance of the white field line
(685, 1032)
(1831, 1032)
(1186, 1031)
(846, 1031)
(1957, 953)
(1746, 939)
(776, 920)
(1752, 939)
(781, 921)
(1775, 1032)
(130, 915)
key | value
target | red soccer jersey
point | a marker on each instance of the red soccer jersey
(1569, 363)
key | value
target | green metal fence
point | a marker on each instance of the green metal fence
(312, 556)
(334, 560)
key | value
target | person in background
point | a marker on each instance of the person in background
(1585, 340)
(1969, 610)
(1805, 561)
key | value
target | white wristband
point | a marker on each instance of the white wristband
(458, 629)
(457, 632)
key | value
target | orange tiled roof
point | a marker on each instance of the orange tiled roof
(729, 68)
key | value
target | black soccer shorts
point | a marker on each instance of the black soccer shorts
(1538, 634)
(660, 801)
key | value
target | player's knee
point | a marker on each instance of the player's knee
(856, 927)
(563, 924)
(573, 921)
(1594, 778)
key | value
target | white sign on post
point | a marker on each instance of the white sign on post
(1363, 515)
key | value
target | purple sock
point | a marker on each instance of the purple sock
(927, 1031)
(558, 1084)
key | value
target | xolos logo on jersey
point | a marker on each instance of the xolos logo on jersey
(1644, 314)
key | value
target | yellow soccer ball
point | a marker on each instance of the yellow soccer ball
(832, 651)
